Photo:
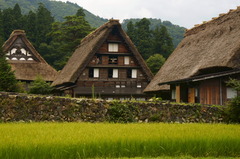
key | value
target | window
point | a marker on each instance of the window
(139, 85)
(134, 73)
(110, 73)
(129, 73)
(115, 73)
(90, 73)
(173, 93)
(231, 93)
(96, 72)
(112, 47)
(93, 72)
(113, 59)
(126, 60)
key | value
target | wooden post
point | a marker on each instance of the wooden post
(191, 95)
(178, 95)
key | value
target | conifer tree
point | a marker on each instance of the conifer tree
(162, 41)
(8, 82)
(44, 20)
(143, 38)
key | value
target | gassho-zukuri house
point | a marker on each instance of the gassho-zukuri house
(25, 61)
(106, 64)
(198, 69)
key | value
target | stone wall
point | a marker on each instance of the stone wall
(27, 108)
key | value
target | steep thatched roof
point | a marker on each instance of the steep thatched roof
(88, 47)
(213, 44)
(28, 70)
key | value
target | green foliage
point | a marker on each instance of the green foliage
(233, 111)
(176, 32)
(162, 41)
(121, 112)
(66, 36)
(141, 36)
(8, 82)
(58, 9)
(39, 86)
(150, 41)
(234, 83)
(155, 62)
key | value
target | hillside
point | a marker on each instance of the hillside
(58, 9)
(175, 31)
(61, 9)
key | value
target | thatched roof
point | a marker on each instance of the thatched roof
(87, 49)
(28, 70)
(213, 44)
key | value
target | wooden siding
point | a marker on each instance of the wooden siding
(178, 95)
(210, 92)
(191, 95)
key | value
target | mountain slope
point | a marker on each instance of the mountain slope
(58, 9)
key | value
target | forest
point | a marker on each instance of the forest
(56, 40)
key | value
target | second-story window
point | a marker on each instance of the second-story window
(93, 72)
(132, 73)
(113, 47)
(113, 59)
(126, 60)
(112, 73)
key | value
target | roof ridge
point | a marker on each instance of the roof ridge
(96, 31)
(204, 23)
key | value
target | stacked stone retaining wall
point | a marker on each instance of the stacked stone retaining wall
(27, 108)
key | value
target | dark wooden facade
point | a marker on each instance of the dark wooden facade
(211, 89)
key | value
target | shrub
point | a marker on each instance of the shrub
(233, 110)
(120, 112)
(39, 86)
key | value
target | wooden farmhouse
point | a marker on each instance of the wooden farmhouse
(198, 69)
(25, 61)
(106, 64)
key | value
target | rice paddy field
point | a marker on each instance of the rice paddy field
(104, 140)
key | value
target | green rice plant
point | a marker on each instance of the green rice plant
(104, 140)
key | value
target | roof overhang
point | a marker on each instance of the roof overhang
(203, 77)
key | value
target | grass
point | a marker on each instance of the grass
(103, 140)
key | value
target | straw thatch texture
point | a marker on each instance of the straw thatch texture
(87, 49)
(28, 70)
(212, 44)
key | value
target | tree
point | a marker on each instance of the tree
(66, 36)
(80, 12)
(233, 109)
(30, 23)
(143, 38)
(39, 86)
(131, 31)
(8, 80)
(155, 62)
(162, 41)
(44, 20)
